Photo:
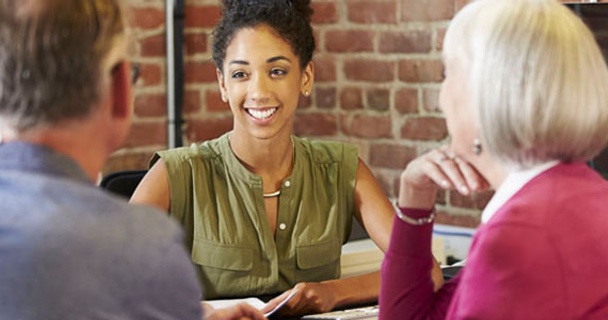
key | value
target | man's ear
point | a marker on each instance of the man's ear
(121, 90)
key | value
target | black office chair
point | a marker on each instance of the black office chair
(122, 183)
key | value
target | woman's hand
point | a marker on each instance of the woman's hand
(241, 311)
(438, 168)
(308, 297)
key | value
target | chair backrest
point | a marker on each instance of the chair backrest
(122, 182)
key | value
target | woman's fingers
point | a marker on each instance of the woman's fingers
(438, 168)
(446, 171)
(452, 172)
(473, 178)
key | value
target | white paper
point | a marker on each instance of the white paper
(218, 304)
(267, 314)
(255, 302)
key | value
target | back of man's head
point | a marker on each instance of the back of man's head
(52, 58)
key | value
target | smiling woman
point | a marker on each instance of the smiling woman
(266, 212)
(263, 88)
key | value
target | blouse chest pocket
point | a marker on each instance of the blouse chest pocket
(219, 256)
(318, 262)
(225, 270)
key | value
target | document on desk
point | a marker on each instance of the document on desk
(362, 313)
(255, 302)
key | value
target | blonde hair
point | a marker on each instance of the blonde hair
(537, 80)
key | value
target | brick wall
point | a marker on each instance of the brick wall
(378, 72)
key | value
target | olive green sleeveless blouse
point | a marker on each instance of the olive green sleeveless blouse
(219, 204)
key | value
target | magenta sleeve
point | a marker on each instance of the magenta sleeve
(407, 287)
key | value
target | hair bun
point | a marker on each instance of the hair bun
(300, 7)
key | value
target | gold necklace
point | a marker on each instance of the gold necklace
(272, 194)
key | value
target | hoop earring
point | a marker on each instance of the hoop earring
(477, 148)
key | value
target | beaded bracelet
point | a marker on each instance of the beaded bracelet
(412, 221)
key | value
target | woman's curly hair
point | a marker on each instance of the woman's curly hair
(289, 18)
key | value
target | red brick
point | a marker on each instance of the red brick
(440, 37)
(315, 124)
(198, 130)
(413, 41)
(325, 98)
(368, 126)
(195, 43)
(155, 105)
(195, 72)
(151, 105)
(324, 13)
(153, 46)
(214, 103)
(391, 156)
(372, 11)
(202, 16)
(325, 69)
(441, 197)
(461, 3)
(429, 10)
(385, 181)
(369, 70)
(147, 134)
(349, 41)
(379, 99)
(150, 74)
(146, 18)
(317, 35)
(426, 129)
(192, 101)
(430, 100)
(467, 221)
(417, 71)
(475, 201)
(351, 99)
(406, 100)
(304, 102)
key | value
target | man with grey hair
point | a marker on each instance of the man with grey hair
(68, 250)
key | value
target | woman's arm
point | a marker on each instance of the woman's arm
(154, 187)
(372, 207)
(407, 287)
(375, 213)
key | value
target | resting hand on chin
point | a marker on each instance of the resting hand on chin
(436, 169)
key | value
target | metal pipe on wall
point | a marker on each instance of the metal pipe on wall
(175, 13)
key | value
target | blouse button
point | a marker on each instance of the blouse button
(282, 226)
(287, 183)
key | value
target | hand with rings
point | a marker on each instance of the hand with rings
(438, 168)
(443, 156)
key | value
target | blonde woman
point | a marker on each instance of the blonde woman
(526, 102)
